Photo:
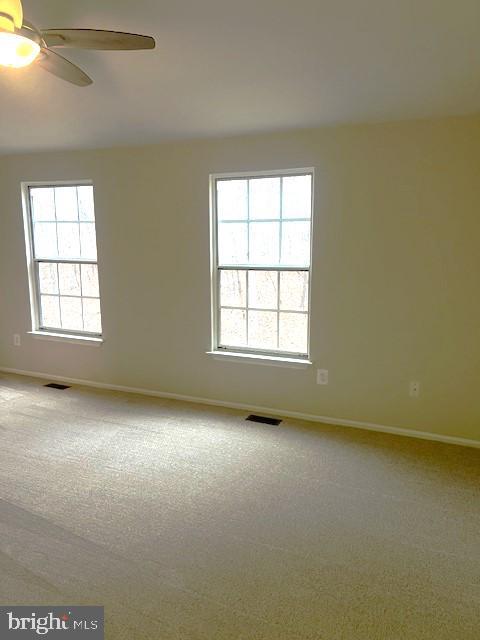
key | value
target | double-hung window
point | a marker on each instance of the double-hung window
(62, 257)
(261, 256)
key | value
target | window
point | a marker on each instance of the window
(261, 231)
(62, 255)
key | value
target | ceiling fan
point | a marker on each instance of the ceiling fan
(21, 43)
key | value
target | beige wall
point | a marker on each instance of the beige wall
(396, 270)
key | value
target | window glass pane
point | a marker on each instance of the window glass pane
(90, 280)
(232, 243)
(232, 288)
(66, 203)
(45, 239)
(233, 327)
(263, 289)
(88, 241)
(69, 279)
(262, 329)
(86, 210)
(296, 243)
(50, 312)
(264, 242)
(71, 310)
(232, 202)
(294, 332)
(297, 197)
(68, 240)
(43, 203)
(294, 290)
(91, 315)
(48, 277)
(264, 198)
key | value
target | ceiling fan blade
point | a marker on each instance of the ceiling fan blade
(96, 39)
(63, 68)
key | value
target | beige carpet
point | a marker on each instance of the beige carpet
(187, 522)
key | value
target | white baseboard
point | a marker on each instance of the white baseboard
(356, 424)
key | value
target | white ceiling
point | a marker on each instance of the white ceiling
(228, 67)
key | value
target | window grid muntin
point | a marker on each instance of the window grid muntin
(280, 222)
(38, 312)
(217, 267)
(248, 308)
(79, 223)
(248, 220)
(59, 295)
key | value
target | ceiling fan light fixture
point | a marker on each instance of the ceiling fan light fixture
(21, 42)
(11, 15)
(17, 50)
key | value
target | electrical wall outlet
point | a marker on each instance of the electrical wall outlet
(16, 340)
(414, 389)
(322, 376)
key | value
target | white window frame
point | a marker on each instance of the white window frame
(80, 337)
(249, 353)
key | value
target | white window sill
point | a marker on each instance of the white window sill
(253, 358)
(62, 337)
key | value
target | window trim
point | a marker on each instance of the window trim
(52, 336)
(215, 269)
(80, 337)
